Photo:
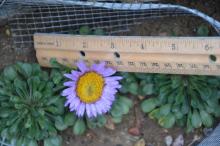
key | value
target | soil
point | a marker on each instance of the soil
(152, 133)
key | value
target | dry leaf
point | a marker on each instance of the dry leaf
(134, 131)
(140, 142)
(109, 124)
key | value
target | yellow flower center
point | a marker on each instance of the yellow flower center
(89, 87)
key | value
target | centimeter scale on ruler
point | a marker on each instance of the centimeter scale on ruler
(172, 55)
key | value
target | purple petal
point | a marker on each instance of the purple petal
(88, 111)
(93, 110)
(98, 67)
(81, 109)
(110, 97)
(68, 91)
(70, 99)
(108, 72)
(70, 76)
(114, 78)
(70, 84)
(82, 66)
(74, 104)
(99, 108)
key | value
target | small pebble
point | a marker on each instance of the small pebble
(179, 141)
(168, 140)
(207, 131)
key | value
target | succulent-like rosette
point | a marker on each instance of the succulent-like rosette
(91, 90)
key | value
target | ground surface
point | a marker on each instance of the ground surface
(150, 131)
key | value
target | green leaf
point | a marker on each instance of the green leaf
(148, 89)
(133, 88)
(69, 119)
(167, 121)
(56, 76)
(125, 101)
(205, 93)
(203, 30)
(148, 105)
(32, 143)
(79, 128)
(5, 112)
(155, 114)
(84, 30)
(10, 73)
(116, 110)
(165, 109)
(116, 119)
(101, 121)
(176, 81)
(28, 122)
(25, 69)
(53, 141)
(206, 118)
(189, 126)
(99, 31)
(196, 119)
(59, 123)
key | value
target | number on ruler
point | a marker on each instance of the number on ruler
(167, 65)
(155, 64)
(174, 47)
(208, 47)
(143, 64)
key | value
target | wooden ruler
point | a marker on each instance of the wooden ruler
(173, 55)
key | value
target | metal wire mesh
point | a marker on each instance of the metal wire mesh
(64, 16)
(3, 142)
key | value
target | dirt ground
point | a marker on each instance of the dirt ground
(151, 132)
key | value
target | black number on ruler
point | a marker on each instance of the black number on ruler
(180, 65)
(155, 64)
(193, 66)
(131, 63)
(108, 62)
(119, 62)
(207, 47)
(96, 61)
(143, 64)
(167, 65)
(174, 47)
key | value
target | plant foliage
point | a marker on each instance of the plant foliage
(30, 104)
(191, 101)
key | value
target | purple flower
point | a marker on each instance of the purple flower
(91, 90)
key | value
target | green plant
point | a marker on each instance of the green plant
(31, 107)
(138, 84)
(191, 101)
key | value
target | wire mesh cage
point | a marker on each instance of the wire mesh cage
(3, 142)
(64, 16)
